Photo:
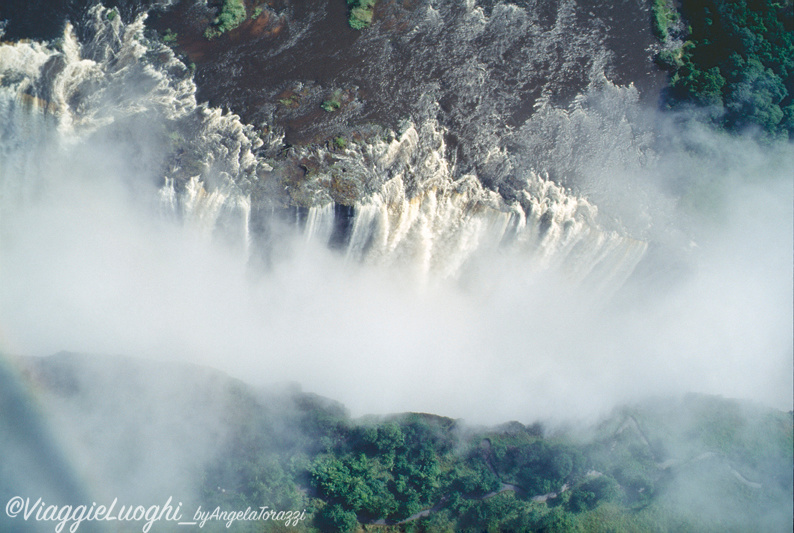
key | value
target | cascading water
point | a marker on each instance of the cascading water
(132, 94)
(493, 224)
(410, 202)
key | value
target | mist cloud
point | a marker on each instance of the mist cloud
(88, 267)
(91, 261)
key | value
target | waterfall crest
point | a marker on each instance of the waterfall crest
(388, 200)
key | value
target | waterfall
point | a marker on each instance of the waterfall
(320, 223)
(491, 197)
(411, 205)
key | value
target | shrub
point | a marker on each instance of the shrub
(170, 37)
(361, 12)
(331, 105)
(232, 15)
(662, 17)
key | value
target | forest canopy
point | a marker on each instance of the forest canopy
(734, 56)
(417, 472)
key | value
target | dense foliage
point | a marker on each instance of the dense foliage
(232, 14)
(736, 56)
(417, 472)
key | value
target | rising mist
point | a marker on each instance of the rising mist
(546, 262)
(94, 260)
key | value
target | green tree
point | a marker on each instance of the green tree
(232, 15)
(335, 519)
(592, 492)
(739, 58)
(756, 97)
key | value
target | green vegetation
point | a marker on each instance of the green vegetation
(738, 59)
(663, 18)
(291, 101)
(333, 103)
(233, 13)
(642, 470)
(112, 14)
(170, 37)
(361, 12)
(697, 463)
(211, 33)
